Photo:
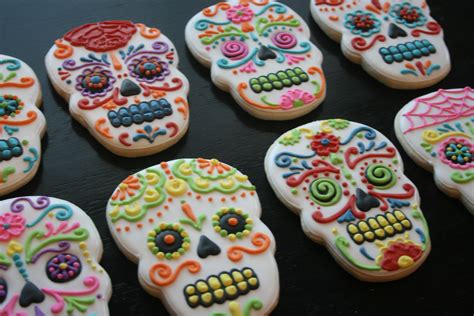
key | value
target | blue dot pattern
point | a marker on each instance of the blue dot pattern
(10, 148)
(139, 113)
(407, 51)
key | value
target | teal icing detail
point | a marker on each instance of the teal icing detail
(149, 134)
(364, 32)
(432, 68)
(395, 13)
(11, 130)
(15, 64)
(370, 134)
(64, 212)
(364, 252)
(203, 24)
(224, 63)
(408, 72)
(31, 160)
(280, 8)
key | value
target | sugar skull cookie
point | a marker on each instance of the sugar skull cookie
(49, 250)
(193, 227)
(396, 41)
(346, 182)
(122, 84)
(259, 51)
(21, 124)
(437, 131)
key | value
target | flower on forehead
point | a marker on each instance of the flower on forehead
(324, 144)
(338, 123)
(291, 138)
(240, 13)
(128, 187)
(212, 165)
(11, 225)
(295, 98)
(399, 254)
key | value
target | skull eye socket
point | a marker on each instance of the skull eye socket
(381, 176)
(284, 40)
(409, 15)
(10, 105)
(168, 241)
(148, 69)
(95, 82)
(235, 50)
(63, 268)
(325, 191)
(232, 223)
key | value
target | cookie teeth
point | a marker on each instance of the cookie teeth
(138, 113)
(407, 51)
(220, 288)
(10, 148)
(279, 80)
(379, 227)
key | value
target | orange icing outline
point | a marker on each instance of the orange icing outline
(224, 6)
(32, 115)
(103, 131)
(25, 82)
(260, 240)
(183, 109)
(63, 51)
(166, 272)
(148, 32)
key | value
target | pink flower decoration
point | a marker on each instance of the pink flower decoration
(457, 153)
(295, 98)
(11, 225)
(240, 13)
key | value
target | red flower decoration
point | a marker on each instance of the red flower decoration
(390, 259)
(324, 143)
(102, 36)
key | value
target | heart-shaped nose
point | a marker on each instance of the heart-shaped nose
(129, 88)
(207, 248)
(30, 294)
(266, 53)
(365, 202)
(395, 31)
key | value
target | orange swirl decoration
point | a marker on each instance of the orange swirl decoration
(148, 32)
(183, 109)
(259, 240)
(165, 272)
(63, 50)
(433, 29)
(32, 115)
(313, 70)
(25, 82)
(224, 6)
(361, 44)
(259, 3)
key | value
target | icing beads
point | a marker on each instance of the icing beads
(22, 124)
(193, 226)
(346, 181)
(437, 131)
(122, 83)
(260, 52)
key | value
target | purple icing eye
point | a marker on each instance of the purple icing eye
(284, 40)
(235, 50)
(63, 268)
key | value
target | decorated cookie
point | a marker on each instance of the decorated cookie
(396, 41)
(21, 124)
(437, 131)
(346, 182)
(259, 51)
(49, 250)
(122, 84)
(193, 226)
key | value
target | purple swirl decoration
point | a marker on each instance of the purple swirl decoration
(160, 47)
(235, 50)
(41, 202)
(69, 64)
(284, 40)
(63, 246)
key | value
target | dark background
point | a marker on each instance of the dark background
(77, 168)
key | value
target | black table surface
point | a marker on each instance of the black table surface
(77, 168)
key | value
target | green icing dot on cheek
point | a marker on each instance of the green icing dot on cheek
(294, 191)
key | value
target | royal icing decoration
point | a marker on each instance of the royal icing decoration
(259, 51)
(21, 124)
(437, 131)
(122, 83)
(49, 250)
(194, 228)
(396, 41)
(346, 182)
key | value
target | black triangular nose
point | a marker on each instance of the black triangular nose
(266, 53)
(365, 202)
(30, 294)
(395, 31)
(129, 88)
(207, 248)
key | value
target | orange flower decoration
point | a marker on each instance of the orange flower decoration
(127, 188)
(212, 165)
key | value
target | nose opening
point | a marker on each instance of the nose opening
(265, 53)
(31, 294)
(129, 88)
(394, 31)
(365, 202)
(207, 247)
